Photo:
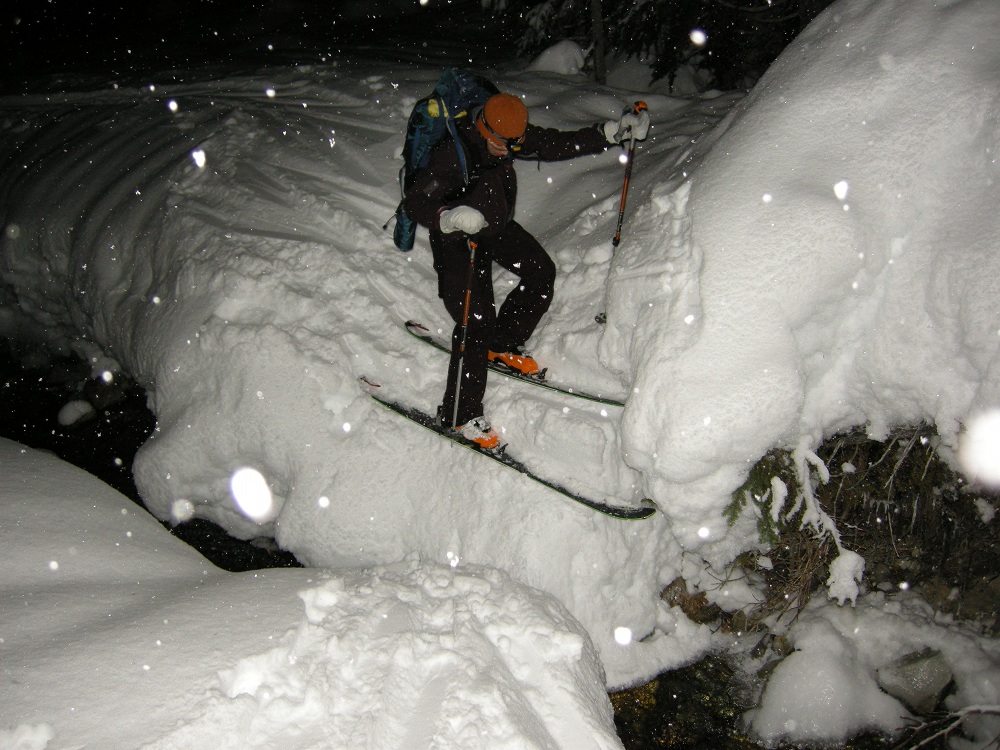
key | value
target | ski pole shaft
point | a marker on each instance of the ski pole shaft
(616, 240)
(636, 108)
(464, 335)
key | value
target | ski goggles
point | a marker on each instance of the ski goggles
(511, 144)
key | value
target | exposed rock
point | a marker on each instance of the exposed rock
(75, 412)
(695, 606)
(762, 646)
(781, 646)
(918, 679)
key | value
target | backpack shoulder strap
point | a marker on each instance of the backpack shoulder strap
(461, 149)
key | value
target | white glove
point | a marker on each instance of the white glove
(630, 125)
(462, 219)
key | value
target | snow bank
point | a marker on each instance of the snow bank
(116, 634)
(831, 263)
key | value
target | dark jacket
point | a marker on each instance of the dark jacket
(492, 189)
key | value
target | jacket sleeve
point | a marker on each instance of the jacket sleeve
(549, 144)
(493, 196)
(441, 186)
(429, 193)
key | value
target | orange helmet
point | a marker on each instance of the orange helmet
(503, 120)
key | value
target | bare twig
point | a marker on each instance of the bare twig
(902, 458)
(930, 457)
(888, 450)
(944, 726)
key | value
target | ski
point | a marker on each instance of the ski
(423, 333)
(629, 512)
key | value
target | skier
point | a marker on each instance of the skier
(481, 210)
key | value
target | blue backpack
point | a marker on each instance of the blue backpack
(457, 94)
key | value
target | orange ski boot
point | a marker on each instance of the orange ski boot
(518, 360)
(480, 432)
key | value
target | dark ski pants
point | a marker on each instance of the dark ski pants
(515, 250)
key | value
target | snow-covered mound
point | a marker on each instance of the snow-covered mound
(832, 262)
(829, 689)
(115, 634)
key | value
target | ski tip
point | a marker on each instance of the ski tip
(368, 382)
(644, 509)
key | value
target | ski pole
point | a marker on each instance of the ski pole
(638, 107)
(465, 329)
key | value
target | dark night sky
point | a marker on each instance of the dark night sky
(124, 37)
(51, 36)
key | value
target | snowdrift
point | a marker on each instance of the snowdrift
(116, 634)
(831, 263)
